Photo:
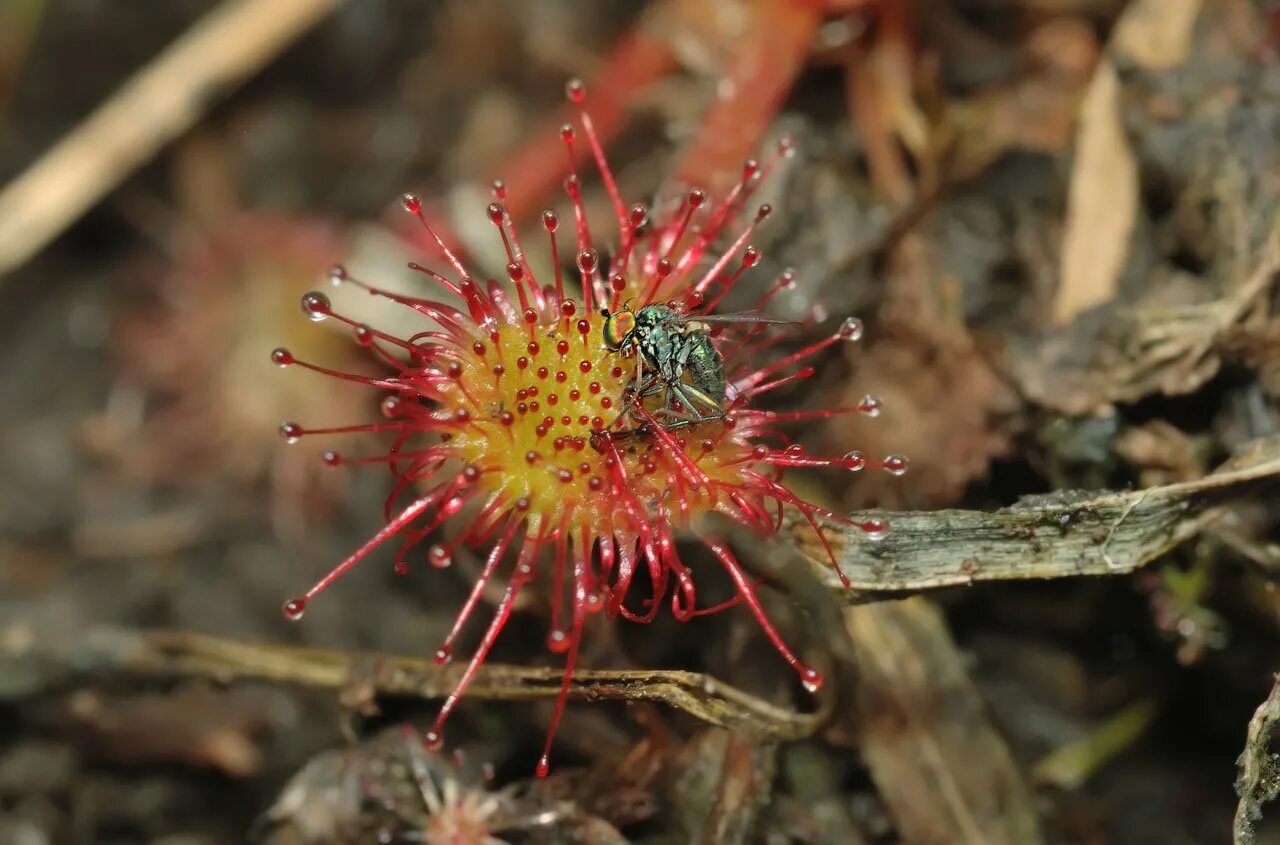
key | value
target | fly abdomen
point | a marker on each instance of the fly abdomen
(705, 367)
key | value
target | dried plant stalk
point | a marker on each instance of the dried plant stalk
(1259, 779)
(945, 773)
(48, 661)
(1059, 535)
(164, 99)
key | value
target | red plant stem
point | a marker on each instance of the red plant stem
(766, 61)
(746, 589)
(486, 575)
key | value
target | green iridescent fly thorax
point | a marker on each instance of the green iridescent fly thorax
(677, 360)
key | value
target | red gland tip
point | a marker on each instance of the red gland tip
(875, 529)
(331, 458)
(433, 740)
(558, 641)
(811, 679)
(282, 356)
(576, 91)
(316, 306)
(294, 608)
(895, 464)
(412, 203)
(291, 432)
(544, 766)
(442, 655)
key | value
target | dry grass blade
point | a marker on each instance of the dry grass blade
(1069, 766)
(1259, 779)
(1105, 185)
(945, 773)
(164, 99)
(1103, 204)
(1060, 535)
(111, 652)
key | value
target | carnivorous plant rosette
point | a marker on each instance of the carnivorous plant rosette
(576, 444)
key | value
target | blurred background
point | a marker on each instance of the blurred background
(1056, 217)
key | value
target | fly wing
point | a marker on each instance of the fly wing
(749, 317)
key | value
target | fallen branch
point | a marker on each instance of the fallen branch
(33, 662)
(1060, 535)
(1259, 779)
(895, 661)
(943, 770)
(167, 97)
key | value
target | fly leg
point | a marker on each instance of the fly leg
(691, 398)
(643, 385)
(654, 386)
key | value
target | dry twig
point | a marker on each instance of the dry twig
(164, 99)
(1059, 535)
(945, 773)
(47, 661)
(1259, 779)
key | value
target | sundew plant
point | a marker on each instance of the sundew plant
(511, 410)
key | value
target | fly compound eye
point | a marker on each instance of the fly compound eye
(617, 327)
